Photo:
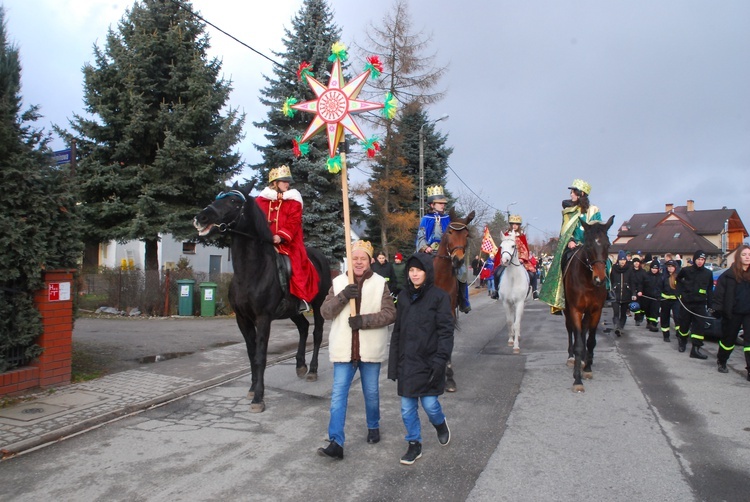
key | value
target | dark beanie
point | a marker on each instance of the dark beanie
(416, 263)
(621, 255)
(698, 254)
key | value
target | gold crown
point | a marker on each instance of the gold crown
(281, 173)
(435, 193)
(516, 218)
(364, 246)
(582, 186)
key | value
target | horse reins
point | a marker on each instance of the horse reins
(458, 227)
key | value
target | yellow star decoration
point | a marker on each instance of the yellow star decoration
(334, 107)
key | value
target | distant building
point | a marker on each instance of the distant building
(683, 230)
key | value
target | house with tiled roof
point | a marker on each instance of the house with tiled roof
(683, 230)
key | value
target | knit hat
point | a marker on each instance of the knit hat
(698, 254)
(398, 256)
(621, 255)
(655, 264)
(671, 263)
(636, 259)
(364, 246)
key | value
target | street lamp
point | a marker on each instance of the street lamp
(507, 211)
(421, 162)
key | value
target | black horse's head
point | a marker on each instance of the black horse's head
(228, 213)
(596, 248)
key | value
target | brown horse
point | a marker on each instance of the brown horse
(584, 283)
(450, 257)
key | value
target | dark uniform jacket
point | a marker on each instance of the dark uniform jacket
(695, 285)
(639, 277)
(621, 281)
(731, 297)
(422, 338)
(652, 285)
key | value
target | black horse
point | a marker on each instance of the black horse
(584, 282)
(259, 293)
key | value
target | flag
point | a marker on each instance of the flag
(488, 244)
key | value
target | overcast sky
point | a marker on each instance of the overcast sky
(648, 101)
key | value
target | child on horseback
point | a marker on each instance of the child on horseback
(431, 230)
(576, 209)
(283, 209)
(522, 248)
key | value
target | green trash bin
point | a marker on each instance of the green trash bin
(208, 299)
(185, 291)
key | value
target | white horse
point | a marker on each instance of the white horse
(513, 289)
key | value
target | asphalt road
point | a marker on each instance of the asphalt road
(652, 425)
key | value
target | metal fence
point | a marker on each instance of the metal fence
(153, 293)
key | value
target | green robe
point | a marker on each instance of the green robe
(552, 289)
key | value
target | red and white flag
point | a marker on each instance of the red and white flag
(488, 244)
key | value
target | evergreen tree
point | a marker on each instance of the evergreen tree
(37, 212)
(310, 39)
(401, 186)
(411, 76)
(159, 147)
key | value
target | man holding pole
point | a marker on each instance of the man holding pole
(357, 341)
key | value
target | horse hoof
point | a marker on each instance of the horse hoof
(312, 377)
(510, 343)
(578, 388)
(450, 386)
(257, 407)
(301, 371)
(516, 350)
(571, 362)
(588, 375)
(250, 394)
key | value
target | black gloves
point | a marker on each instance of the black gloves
(351, 291)
(355, 322)
(437, 372)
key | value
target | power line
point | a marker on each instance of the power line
(180, 5)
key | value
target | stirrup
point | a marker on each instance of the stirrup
(303, 306)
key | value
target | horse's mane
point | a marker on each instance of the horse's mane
(255, 217)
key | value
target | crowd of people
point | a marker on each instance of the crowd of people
(403, 294)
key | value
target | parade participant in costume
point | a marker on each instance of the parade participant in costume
(431, 230)
(576, 209)
(421, 345)
(731, 302)
(695, 286)
(649, 296)
(358, 342)
(522, 248)
(670, 305)
(283, 209)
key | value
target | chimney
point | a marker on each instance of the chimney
(691, 205)
(668, 208)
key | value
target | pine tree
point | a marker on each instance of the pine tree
(402, 206)
(411, 76)
(310, 39)
(37, 212)
(159, 147)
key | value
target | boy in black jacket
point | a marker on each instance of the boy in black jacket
(695, 286)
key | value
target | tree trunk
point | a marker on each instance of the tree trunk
(153, 296)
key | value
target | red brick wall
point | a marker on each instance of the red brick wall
(53, 366)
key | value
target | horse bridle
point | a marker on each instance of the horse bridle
(458, 227)
(514, 253)
(229, 227)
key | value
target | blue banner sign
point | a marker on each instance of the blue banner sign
(62, 156)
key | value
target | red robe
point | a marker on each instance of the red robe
(284, 215)
(523, 250)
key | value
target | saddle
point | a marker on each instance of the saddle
(284, 271)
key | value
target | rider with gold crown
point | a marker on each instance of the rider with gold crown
(283, 209)
(524, 256)
(576, 209)
(431, 230)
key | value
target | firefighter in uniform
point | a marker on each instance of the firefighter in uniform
(669, 303)
(694, 286)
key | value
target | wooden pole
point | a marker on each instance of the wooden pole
(347, 228)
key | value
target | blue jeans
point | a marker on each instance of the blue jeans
(343, 374)
(410, 416)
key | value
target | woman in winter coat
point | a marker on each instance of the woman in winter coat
(421, 346)
(621, 281)
(731, 300)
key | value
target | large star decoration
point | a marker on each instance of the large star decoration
(334, 107)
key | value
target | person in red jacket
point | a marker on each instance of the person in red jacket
(283, 209)
(524, 255)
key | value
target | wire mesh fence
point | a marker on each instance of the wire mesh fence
(153, 293)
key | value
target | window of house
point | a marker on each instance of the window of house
(677, 235)
(188, 248)
(644, 225)
(649, 236)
